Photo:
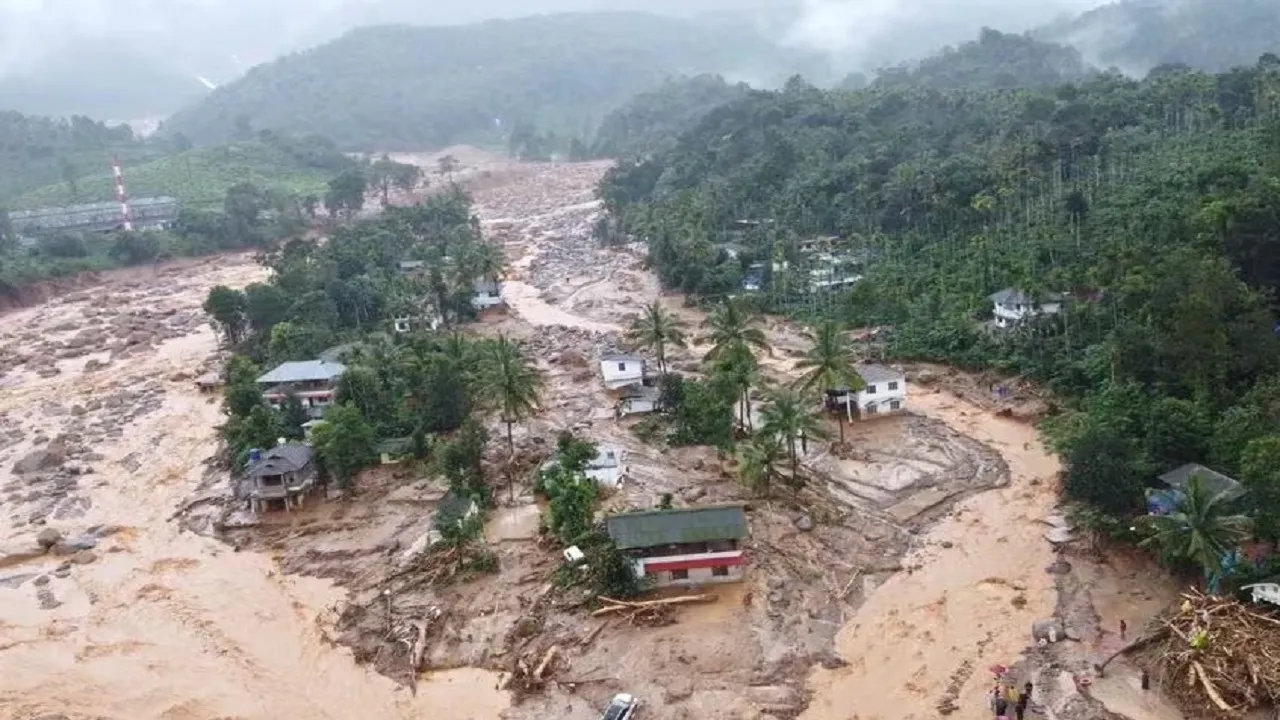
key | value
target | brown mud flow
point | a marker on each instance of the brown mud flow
(103, 437)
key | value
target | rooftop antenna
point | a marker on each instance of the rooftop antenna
(126, 215)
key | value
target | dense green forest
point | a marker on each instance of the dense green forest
(1137, 35)
(994, 60)
(399, 87)
(1154, 205)
(651, 121)
(37, 151)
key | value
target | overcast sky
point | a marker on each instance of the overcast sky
(213, 37)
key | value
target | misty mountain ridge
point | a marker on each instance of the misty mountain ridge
(397, 86)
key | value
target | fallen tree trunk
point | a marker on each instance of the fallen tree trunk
(1209, 688)
(622, 605)
(1138, 644)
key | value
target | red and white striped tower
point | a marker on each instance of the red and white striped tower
(125, 213)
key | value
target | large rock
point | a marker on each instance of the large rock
(48, 537)
(39, 460)
(1048, 630)
(773, 697)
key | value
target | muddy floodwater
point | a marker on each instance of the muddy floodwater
(153, 622)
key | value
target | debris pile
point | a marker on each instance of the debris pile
(1219, 657)
(650, 613)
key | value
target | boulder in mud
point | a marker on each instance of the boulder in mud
(1049, 630)
(84, 557)
(773, 697)
(48, 538)
(804, 523)
(39, 460)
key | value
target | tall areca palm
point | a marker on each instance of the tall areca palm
(512, 385)
(732, 323)
(655, 330)
(1202, 529)
(759, 462)
(829, 364)
(788, 419)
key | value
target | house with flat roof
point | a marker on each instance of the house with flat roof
(619, 370)
(683, 546)
(314, 382)
(884, 391)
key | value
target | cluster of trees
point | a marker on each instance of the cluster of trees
(651, 121)
(994, 60)
(400, 87)
(37, 151)
(1151, 203)
(343, 296)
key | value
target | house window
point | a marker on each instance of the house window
(895, 405)
(870, 409)
(871, 389)
(893, 385)
(720, 571)
(622, 367)
(679, 574)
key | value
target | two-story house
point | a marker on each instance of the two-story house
(279, 477)
(683, 546)
(884, 391)
(314, 382)
(1011, 306)
(486, 293)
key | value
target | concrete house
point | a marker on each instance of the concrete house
(314, 381)
(1011, 306)
(686, 546)
(281, 477)
(638, 399)
(619, 371)
(885, 392)
(487, 293)
(607, 469)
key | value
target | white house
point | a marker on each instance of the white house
(487, 293)
(607, 469)
(1011, 306)
(638, 399)
(620, 371)
(885, 392)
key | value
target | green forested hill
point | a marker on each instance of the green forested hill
(201, 177)
(396, 87)
(37, 151)
(652, 121)
(1137, 35)
(994, 60)
(1154, 204)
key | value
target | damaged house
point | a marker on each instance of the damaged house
(684, 546)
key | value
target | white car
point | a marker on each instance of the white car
(622, 707)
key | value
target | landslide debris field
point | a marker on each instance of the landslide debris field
(913, 553)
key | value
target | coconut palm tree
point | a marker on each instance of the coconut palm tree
(829, 364)
(511, 383)
(654, 330)
(732, 323)
(738, 369)
(1201, 530)
(788, 419)
(759, 462)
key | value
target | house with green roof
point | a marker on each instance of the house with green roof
(683, 546)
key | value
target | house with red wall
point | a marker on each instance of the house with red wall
(683, 546)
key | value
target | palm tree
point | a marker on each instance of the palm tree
(654, 330)
(760, 460)
(829, 364)
(737, 368)
(787, 419)
(733, 323)
(1202, 529)
(512, 384)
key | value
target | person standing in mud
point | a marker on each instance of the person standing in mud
(1024, 699)
(1002, 707)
